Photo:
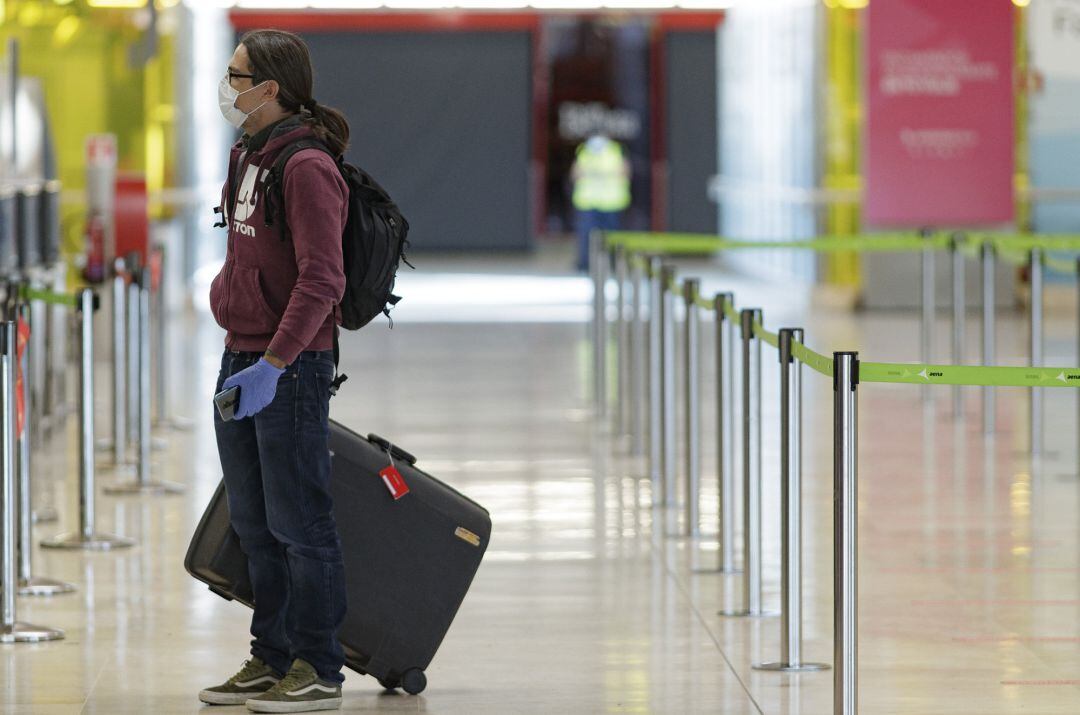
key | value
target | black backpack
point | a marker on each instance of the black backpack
(373, 242)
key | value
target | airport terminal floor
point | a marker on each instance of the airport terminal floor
(969, 567)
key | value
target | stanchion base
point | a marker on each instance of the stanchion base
(28, 633)
(744, 613)
(785, 668)
(150, 487)
(94, 542)
(44, 515)
(44, 587)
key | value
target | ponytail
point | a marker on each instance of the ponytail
(329, 125)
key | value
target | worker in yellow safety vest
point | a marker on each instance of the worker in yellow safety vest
(601, 176)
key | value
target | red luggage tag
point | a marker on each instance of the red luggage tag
(393, 480)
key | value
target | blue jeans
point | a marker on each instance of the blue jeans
(277, 478)
(587, 221)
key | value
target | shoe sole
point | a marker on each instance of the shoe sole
(214, 698)
(281, 706)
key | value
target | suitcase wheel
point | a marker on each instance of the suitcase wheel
(388, 684)
(413, 681)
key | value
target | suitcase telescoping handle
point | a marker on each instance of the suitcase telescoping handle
(395, 451)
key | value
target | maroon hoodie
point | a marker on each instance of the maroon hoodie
(281, 294)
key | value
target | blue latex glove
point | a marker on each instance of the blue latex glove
(258, 385)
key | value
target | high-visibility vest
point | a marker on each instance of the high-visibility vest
(601, 184)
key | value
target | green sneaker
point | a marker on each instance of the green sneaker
(255, 678)
(300, 691)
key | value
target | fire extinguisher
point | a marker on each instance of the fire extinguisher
(94, 272)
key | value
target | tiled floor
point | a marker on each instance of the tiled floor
(970, 579)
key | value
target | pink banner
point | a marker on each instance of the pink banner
(939, 143)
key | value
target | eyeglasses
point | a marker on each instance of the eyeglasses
(234, 75)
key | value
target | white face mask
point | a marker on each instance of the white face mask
(227, 97)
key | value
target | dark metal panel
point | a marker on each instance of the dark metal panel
(691, 130)
(442, 121)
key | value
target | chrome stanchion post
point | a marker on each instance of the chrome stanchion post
(656, 423)
(120, 359)
(39, 414)
(161, 354)
(790, 510)
(988, 339)
(11, 631)
(34, 369)
(143, 482)
(692, 404)
(1036, 325)
(959, 305)
(598, 268)
(622, 347)
(668, 454)
(929, 301)
(163, 417)
(751, 462)
(58, 343)
(637, 367)
(29, 585)
(845, 534)
(87, 537)
(132, 359)
(724, 445)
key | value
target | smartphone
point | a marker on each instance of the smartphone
(227, 401)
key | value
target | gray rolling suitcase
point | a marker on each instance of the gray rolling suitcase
(411, 546)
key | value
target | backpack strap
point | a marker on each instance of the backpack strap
(275, 181)
(338, 377)
(230, 188)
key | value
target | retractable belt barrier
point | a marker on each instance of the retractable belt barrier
(49, 297)
(639, 262)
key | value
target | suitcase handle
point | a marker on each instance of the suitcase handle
(395, 451)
